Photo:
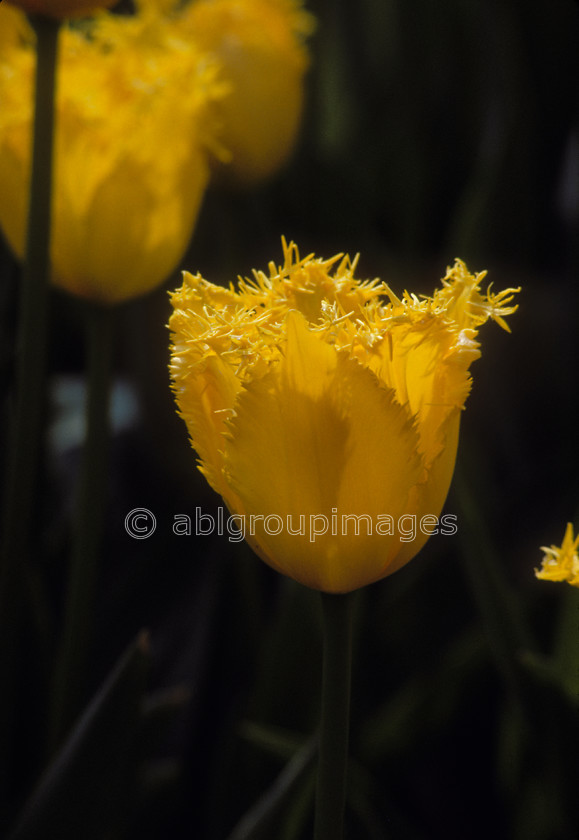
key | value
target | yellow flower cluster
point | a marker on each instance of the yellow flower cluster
(308, 393)
(561, 563)
(138, 119)
(130, 160)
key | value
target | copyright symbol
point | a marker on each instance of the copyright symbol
(140, 523)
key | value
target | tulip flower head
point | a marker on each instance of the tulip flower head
(261, 47)
(561, 563)
(324, 409)
(130, 170)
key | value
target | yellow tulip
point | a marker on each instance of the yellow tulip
(260, 44)
(314, 399)
(61, 8)
(561, 563)
(14, 27)
(130, 170)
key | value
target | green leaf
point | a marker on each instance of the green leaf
(89, 780)
(259, 818)
(274, 740)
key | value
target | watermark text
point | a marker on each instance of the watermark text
(140, 523)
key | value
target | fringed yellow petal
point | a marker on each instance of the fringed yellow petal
(428, 496)
(429, 346)
(316, 440)
(429, 374)
(205, 388)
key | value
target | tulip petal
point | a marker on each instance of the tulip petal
(428, 368)
(427, 498)
(206, 395)
(98, 254)
(319, 437)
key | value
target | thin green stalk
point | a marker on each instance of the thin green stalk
(33, 330)
(335, 719)
(70, 671)
(25, 451)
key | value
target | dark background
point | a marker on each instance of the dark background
(431, 130)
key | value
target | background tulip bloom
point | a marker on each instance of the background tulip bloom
(260, 44)
(130, 170)
(310, 393)
(14, 27)
(561, 563)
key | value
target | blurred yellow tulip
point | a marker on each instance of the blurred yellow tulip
(326, 410)
(260, 44)
(14, 27)
(130, 170)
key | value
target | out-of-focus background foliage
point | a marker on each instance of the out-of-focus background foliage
(432, 130)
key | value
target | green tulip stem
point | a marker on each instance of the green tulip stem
(335, 716)
(69, 683)
(33, 328)
(25, 452)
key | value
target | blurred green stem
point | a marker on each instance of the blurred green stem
(91, 501)
(20, 514)
(33, 330)
(335, 719)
